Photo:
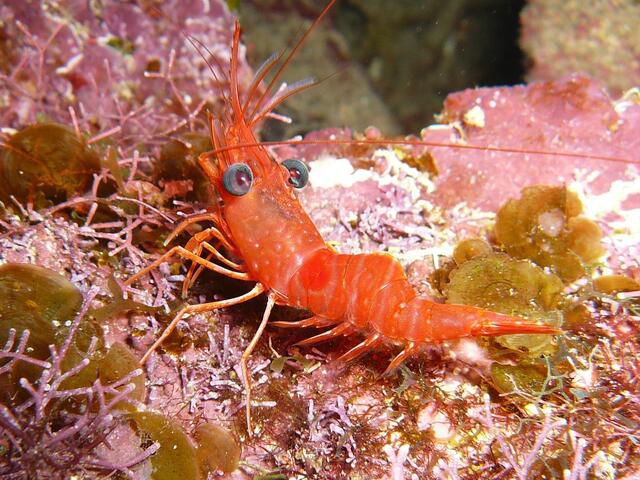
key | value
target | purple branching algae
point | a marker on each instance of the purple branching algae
(42, 435)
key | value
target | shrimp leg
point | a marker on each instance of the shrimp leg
(315, 321)
(247, 353)
(196, 269)
(409, 350)
(222, 233)
(201, 308)
(201, 240)
(341, 329)
(362, 348)
(183, 252)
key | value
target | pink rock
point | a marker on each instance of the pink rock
(556, 127)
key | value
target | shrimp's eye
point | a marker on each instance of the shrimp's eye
(237, 179)
(298, 172)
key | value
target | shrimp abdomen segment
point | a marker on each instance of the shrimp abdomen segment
(422, 320)
(348, 287)
(377, 285)
(318, 285)
(371, 293)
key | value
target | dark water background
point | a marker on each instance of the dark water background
(391, 63)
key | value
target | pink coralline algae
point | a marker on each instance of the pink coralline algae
(599, 38)
(573, 115)
(113, 69)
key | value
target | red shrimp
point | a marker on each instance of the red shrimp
(260, 221)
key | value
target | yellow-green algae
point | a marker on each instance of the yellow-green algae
(115, 364)
(470, 248)
(502, 284)
(610, 284)
(45, 162)
(528, 378)
(45, 303)
(544, 226)
(176, 457)
(217, 449)
(119, 304)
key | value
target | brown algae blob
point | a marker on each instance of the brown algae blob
(217, 449)
(115, 364)
(544, 225)
(45, 303)
(502, 284)
(610, 284)
(45, 162)
(176, 457)
(470, 248)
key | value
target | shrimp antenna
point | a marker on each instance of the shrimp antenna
(197, 44)
(259, 76)
(289, 58)
(284, 93)
(421, 143)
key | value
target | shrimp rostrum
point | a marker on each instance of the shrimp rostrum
(261, 221)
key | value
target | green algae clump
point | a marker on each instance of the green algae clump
(217, 449)
(502, 284)
(544, 226)
(44, 163)
(45, 303)
(176, 457)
